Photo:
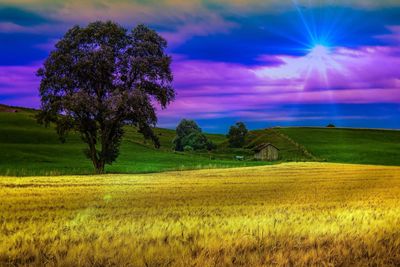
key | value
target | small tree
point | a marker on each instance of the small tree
(188, 133)
(237, 135)
(196, 140)
(184, 128)
(102, 77)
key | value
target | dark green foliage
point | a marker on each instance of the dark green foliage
(211, 145)
(100, 78)
(186, 127)
(188, 149)
(330, 125)
(237, 135)
(197, 141)
(188, 133)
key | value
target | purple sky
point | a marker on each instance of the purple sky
(262, 62)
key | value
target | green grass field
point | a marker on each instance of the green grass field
(27, 148)
(361, 146)
(291, 214)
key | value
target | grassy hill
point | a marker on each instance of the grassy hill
(27, 148)
(362, 146)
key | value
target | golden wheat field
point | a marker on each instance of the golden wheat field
(298, 214)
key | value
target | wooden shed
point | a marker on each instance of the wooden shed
(267, 152)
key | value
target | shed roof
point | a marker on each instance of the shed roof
(264, 145)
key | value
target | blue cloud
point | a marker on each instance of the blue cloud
(292, 33)
(21, 17)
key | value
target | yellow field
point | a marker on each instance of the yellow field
(289, 214)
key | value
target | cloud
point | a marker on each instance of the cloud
(209, 89)
(214, 91)
(292, 32)
(232, 59)
(19, 85)
(178, 21)
(185, 31)
(181, 20)
(393, 37)
(10, 27)
(342, 68)
(21, 16)
(253, 5)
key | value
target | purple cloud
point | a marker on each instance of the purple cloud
(216, 89)
(19, 85)
(212, 89)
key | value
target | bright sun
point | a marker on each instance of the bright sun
(319, 58)
(319, 51)
(320, 61)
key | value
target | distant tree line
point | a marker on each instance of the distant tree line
(189, 137)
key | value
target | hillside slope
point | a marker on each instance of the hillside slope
(361, 146)
(27, 148)
(288, 149)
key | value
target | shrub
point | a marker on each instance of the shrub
(188, 149)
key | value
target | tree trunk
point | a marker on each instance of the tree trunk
(99, 166)
(98, 163)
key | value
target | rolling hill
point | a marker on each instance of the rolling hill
(27, 148)
(346, 145)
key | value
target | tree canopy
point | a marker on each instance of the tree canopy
(189, 136)
(102, 77)
(237, 135)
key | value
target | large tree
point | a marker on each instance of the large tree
(101, 78)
